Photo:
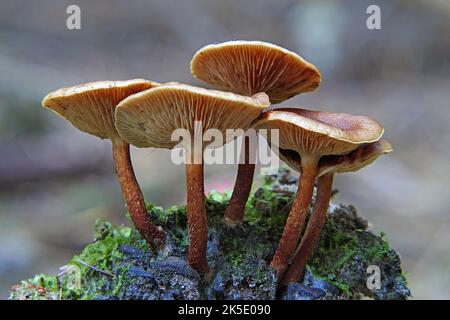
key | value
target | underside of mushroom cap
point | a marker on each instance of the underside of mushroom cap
(355, 160)
(248, 67)
(319, 133)
(148, 118)
(291, 158)
(90, 107)
(350, 162)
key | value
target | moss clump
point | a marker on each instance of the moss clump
(105, 248)
(266, 211)
(40, 287)
(378, 250)
(96, 261)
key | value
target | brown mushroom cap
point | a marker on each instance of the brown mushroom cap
(148, 118)
(319, 133)
(248, 67)
(90, 106)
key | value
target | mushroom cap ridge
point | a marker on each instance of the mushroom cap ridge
(318, 133)
(248, 67)
(148, 118)
(90, 107)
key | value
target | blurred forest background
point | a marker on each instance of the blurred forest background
(55, 181)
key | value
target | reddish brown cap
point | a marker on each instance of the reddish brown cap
(248, 67)
(148, 118)
(90, 106)
(315, 134)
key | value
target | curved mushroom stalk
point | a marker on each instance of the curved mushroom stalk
(132, 193)
(328, 166)
(313, 230)
(297, 216)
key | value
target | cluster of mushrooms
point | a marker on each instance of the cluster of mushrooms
(251, 75)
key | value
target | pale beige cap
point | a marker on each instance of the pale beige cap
(148, 118)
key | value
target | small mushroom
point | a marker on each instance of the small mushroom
(312, 135)
(249, 67)
(90, 108)
(328, 166)
(148, 119)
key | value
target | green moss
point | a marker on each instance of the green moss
(378, 250)
(79, 279)
(264, 210)
(173, 219)
(104, 249)
(219, 197)
(40, 287)
(336, 249)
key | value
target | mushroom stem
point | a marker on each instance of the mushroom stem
(297, 215)
(132, 193)
(234, 213)
(313, 230)
(196, 215)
